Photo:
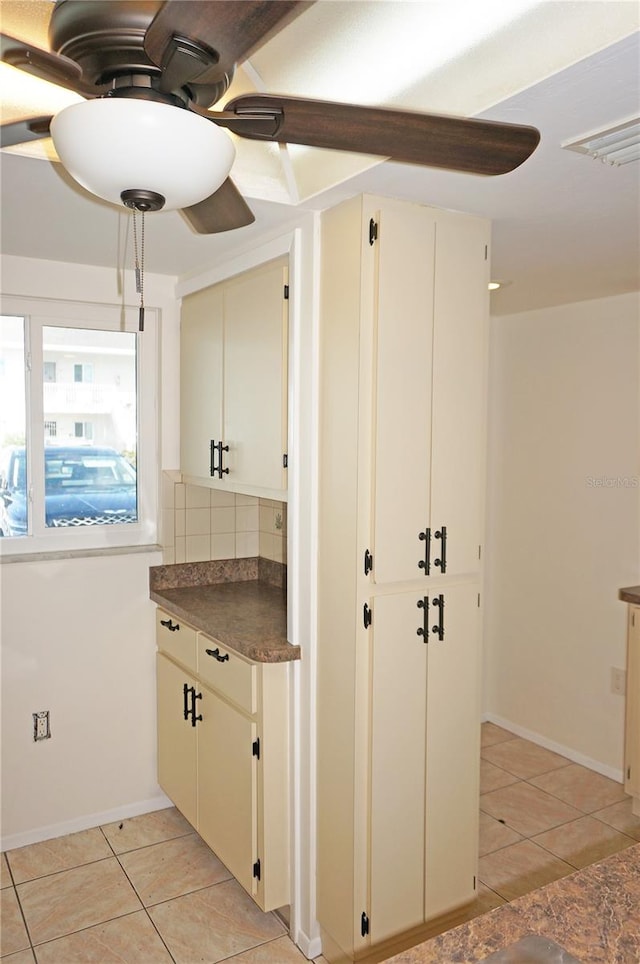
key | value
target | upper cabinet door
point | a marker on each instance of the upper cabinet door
(459, 366)
(255, 342)
(427, 356)
(402, 360)
(201, 379)
(234, 384)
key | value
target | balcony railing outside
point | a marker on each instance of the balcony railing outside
(85, 398)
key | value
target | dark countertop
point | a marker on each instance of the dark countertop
(631, 595)
(593, 914)
(233, 601)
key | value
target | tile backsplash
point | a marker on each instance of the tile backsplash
(199, 523)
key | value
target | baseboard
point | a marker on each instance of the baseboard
(86, 822)
(571, 754)
(311, 947)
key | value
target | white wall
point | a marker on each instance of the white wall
(563, 522)
(77, 634)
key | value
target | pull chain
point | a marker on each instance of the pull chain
(139, 264)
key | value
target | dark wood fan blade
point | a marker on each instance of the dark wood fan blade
(41, 63)
(222, 211)
(433, 140)
(233, 29)
(21, 132)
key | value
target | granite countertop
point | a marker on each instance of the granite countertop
(593, 915)
(241, 603)
(631, 595)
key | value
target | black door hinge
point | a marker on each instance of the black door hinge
(364, 924)
(373, 231)
(285, 461)
(628, 773)
(286, 292)
(367, 616)
(256, 869)
(368, 562)
(255, 748)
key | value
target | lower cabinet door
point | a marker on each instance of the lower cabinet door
(227, 794)
(398, 722)
(425, 755)
(453, 750)
(632, 737)
(177, 738)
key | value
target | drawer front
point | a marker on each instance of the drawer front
(176, 639)
(230, 674)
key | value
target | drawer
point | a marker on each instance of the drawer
(176, 639)
(229, 674)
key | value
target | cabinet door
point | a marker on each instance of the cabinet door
(177, 756)
(255, 406)
(227, 797)
(459, 352)
(201, 379)
(632, 738)
(425, 752)
(402, 389)
(453, 751)
(398, 715)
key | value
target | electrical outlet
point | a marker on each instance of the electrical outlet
(41, 728)
(618, 681)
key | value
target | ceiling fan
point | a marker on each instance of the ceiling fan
(149, 72)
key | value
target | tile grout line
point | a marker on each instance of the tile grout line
(149, 918)
(20, 908)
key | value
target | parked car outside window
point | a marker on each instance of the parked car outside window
(84, 486)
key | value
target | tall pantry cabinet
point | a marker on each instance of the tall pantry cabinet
(403, 329)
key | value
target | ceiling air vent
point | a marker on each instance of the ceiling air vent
(616, 146)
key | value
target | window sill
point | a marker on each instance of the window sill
(77, 553)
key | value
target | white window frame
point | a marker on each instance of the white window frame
(38, 314)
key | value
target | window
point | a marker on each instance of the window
(78, 452)
(83, 430)
(83, 373)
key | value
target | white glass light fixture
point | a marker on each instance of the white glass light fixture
(121, 144)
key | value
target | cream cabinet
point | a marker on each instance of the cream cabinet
(403, 328)
(222, 754)
(233, 377)
(632, 726)
(426, 390)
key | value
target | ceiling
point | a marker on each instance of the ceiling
(565, 228)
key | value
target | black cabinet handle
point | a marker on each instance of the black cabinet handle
(219, 448)
(216, 655)
(439, 626)
(195, 696)
(222, 448)
(185, 694)
(172, 627)
(426, 562)
(441, 563)
(424, 629)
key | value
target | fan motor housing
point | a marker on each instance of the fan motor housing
(106, 40)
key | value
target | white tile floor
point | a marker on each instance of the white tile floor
(149, 891)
